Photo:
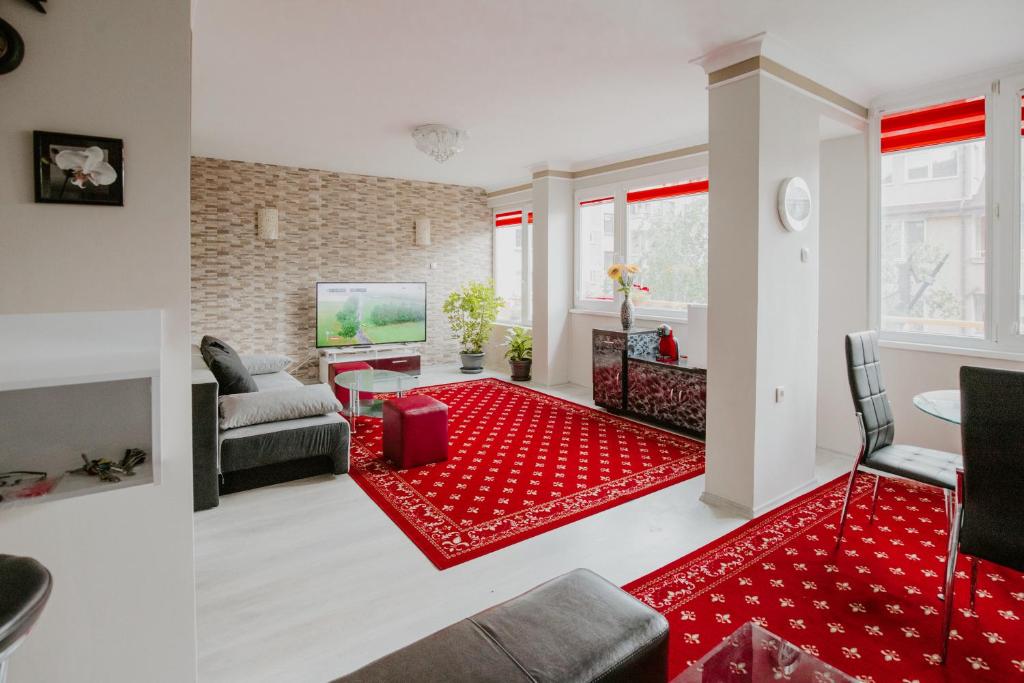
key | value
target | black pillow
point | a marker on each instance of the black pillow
(227, 367)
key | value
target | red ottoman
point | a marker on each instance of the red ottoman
(415, 431)
(335, 369)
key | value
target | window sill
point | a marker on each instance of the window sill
(636, 316)
(1017, 356)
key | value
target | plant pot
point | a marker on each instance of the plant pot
(521, 369)
(472, 363)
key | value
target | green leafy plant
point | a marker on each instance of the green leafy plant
(472, 310)
(519, 344)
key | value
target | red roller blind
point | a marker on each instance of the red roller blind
(941, 124)
(667, 192)
(681, 190)
(511, 218)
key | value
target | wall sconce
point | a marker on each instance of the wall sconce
(267, 224)
(422, 232)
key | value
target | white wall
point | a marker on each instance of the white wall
(122, 608)
(843, 283)
(552, 278)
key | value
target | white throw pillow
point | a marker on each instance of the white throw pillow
(265, 363)
(241, 410)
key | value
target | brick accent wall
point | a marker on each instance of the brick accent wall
(259, 295)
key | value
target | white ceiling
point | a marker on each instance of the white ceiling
(339, 84)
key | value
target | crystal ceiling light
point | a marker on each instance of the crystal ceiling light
(440, 142)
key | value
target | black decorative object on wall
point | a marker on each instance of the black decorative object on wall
(12, 48)
(78, 169)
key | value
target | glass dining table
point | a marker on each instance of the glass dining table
(943, 404)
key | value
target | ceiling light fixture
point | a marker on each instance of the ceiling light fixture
(440, 142)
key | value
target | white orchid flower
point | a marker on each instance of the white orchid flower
(86, 166)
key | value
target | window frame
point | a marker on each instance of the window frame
(613, 190)
(1002, 338)
(618, 191)
(526, 272)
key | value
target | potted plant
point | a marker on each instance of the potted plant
(472, 310)
(519, 352)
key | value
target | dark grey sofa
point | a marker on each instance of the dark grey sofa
(225, 461)
(575, 628)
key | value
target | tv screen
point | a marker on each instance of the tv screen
(355, 313)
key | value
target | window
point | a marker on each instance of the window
(513, 263)
(667, 229)
(662, 228)
(931, 278)
(932, 164)
(947, 251)
(597, 248)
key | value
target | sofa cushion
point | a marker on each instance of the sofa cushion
(276, 380)
(226, 365)
(274, 442)
(265, 363)
(240, 410)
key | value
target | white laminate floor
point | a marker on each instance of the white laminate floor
(309, 580)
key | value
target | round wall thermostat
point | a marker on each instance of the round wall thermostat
(794, 204)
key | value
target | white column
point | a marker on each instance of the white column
(763, 297)
(552, 276)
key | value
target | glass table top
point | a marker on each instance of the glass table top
(752, 654)
(943, 404)
(365, 384)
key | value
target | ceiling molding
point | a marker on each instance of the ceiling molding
(605, 168)
(509, 190)
(641, 161)
(783, 73)
(551, 173)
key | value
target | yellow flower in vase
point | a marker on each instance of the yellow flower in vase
(632, 268)
(615, 271)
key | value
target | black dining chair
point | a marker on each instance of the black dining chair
(988, 524)
(879, 455)
(24, 590)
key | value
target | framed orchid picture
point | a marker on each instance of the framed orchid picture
(78, 169)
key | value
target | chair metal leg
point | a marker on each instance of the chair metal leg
(846, 504)
(974, 579)
(874, 499)
(3, 670)
(954, 546)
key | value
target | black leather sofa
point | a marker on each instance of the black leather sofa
(575, 628)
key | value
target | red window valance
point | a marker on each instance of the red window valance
(941, 124)
(681, 190)
(667, 192)
(511, 218)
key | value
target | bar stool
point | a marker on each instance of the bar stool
(26, 588)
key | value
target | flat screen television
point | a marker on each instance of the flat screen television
(360, 313)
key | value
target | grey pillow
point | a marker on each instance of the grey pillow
(226, 366)
(241, 410)
(265, 363)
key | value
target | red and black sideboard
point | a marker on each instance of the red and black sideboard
(629, 379)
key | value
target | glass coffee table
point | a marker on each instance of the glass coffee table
(363, 387)
(752, 654)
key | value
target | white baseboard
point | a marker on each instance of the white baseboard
(717, 501)
(748, 512)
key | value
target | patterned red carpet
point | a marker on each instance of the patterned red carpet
(519, 463)
(872, 611)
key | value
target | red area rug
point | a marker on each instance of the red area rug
(520, 463)
(872, 610)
